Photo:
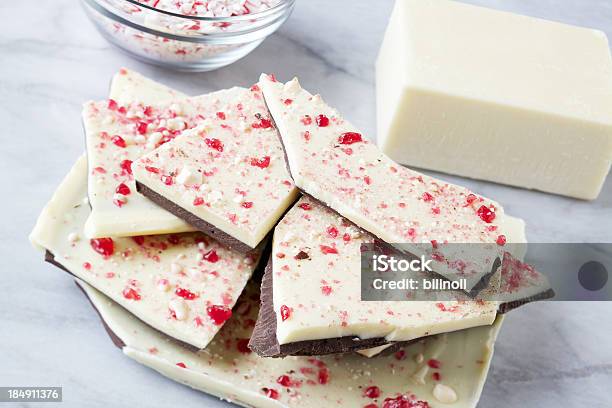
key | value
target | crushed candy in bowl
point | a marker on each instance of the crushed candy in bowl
(188, 35)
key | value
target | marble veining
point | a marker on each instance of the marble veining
(548, 355)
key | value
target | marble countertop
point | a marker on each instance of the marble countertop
(548, 355)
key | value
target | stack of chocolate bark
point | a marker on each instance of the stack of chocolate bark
(181, 201)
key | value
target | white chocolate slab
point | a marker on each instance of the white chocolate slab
(248, 380)
(229, 172)
(334, 163)
(178, 284)
(319, 252)
(496, 96)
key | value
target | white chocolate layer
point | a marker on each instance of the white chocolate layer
(171, 282)
(248, 380)
(330, 160)
(319, 252)
(229, 172)
(496, 96)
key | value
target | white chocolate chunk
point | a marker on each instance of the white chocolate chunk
(444, 394)
(396, 204)
(179, 308)
(225, 370)
(238, 152)
(189, 177)
(536, 117)
(374, 351)
(137, 272)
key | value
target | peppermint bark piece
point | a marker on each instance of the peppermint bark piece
(330, 160)
(226, 177)
(519, 283)
(183, 285)
(116, 136)
(114, 141)
(320, 253)
(228, 370)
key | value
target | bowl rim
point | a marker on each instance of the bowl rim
(242, 17)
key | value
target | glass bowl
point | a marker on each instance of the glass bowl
(178, 41)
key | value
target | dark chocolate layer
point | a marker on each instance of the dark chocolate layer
(508, 306)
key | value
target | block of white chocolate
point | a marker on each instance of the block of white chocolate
(226, 177)
(446, 369)
(183, 285)
(332, 161)
(496, 96)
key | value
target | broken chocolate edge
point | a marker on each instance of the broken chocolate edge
(50, 258)
(514, 304)
(203, 226)
(117, 341)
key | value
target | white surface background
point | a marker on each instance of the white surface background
(52, 60)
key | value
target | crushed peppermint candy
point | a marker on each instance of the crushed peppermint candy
(212, 8)
(173, 49)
